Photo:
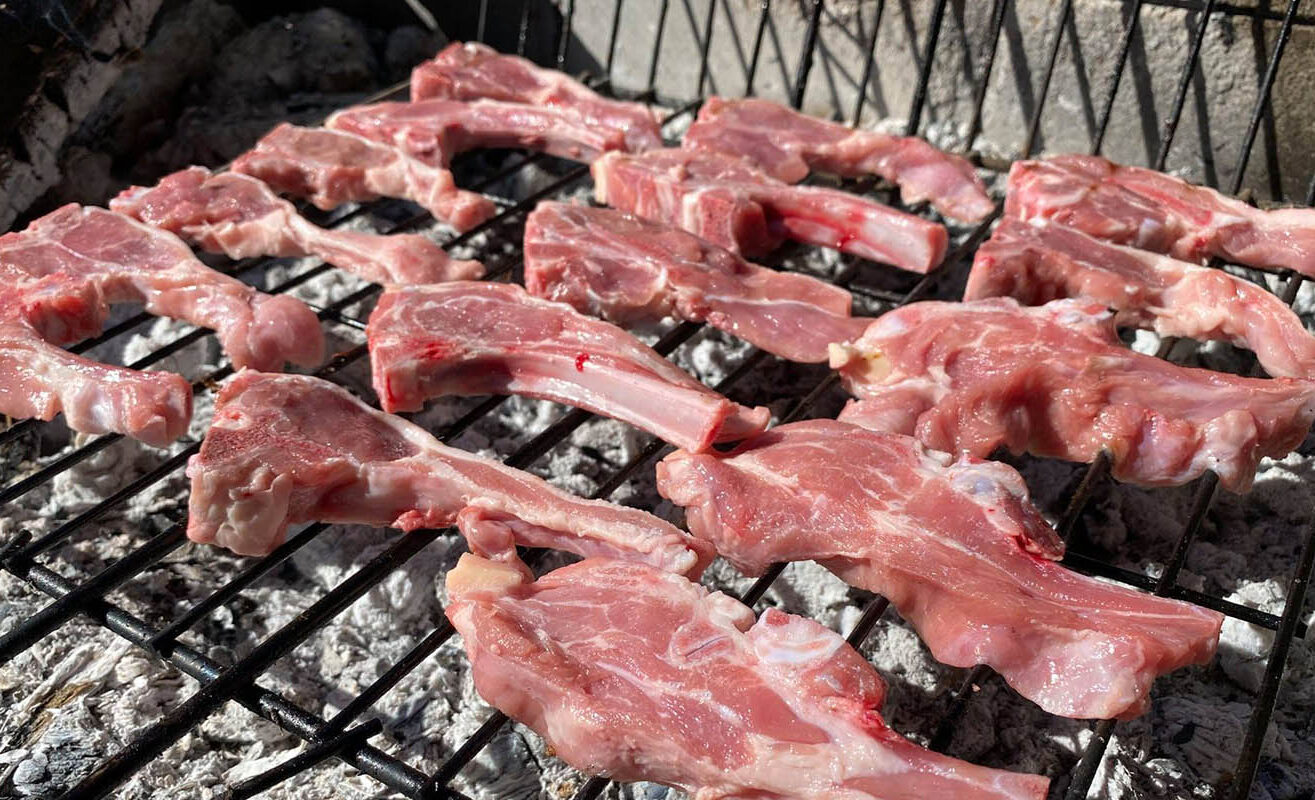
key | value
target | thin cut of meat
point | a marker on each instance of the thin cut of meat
(480, 337)
(285, 449)
(331, 168)
(639, 674)
(731, 203)
(39, 380)
(1038, 261)
(61, 275)
(1055, 381)
(889, 516)
(626, 269)
(473, 71)
(788, 144)
(1154, 211)
(241, 217)
(435, 131)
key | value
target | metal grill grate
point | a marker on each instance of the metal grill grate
(342, 735)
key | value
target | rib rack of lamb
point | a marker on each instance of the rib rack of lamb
(434, 131)
(1154, 211)
(638, 674)
(241, 217)
(473, 71)
(331, 168)
(787, 145)
(285, 449)
(1055, 381)
(480, 337)
(729, 202)
(1038, 261)
(889, 516)
(61, 275)
(626, 269)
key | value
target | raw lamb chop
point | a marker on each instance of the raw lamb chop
(887, 515)
(1055, 381)
(1154, 211)
(62, 273)
(627, 269)
(241, 217)
(331, 168)
(1038, 261)
(639, 674)
(473, 71)
(435, 131)
(479, 337)
(285, 449)
(730, 203)
(788, 144)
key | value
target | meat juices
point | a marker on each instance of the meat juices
(241, 217)
(285, 449)
(1154, 211)
(473, 71)
(1055, 381)
(958, 549)
(331, 168)
(638, 674)
(627, 269)
(436, 130)
(788, 144)
(1038, 261)
(471, 338)
(732, 204)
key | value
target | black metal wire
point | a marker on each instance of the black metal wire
(1116, 77)
(764, 9)
(1262, 102)
(984, 82)
(869, 62)
(1184, 83)
(924, 71)
(806, 57)
(1034, 128)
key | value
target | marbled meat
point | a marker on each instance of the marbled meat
(285, 449)
(1055, 381)
(958, 549)
(639, 674)
(473, 71)
(788, 144)
(627, 269)
(731, 203)
(481, 337)
(241, 217)
(331, 168)
(1038, 261)
(1154, 211)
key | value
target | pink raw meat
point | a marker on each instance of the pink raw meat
(473, 71)
(1055, 381)
(331, 168)
(1154, 211)
(957, 547)
(435, 131)
(730, 203)
(285, 449)
(626, 269)
(638, 674)
(241, 217)
(788, 144)
(1038, 261)
(479, 337)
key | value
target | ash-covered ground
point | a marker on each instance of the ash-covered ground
(81, 694)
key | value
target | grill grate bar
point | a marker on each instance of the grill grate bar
(310, 757)
(806, 57)
(1034, 127)
(924, 70)
(1129, 32)
(1184, 83)
(1262, 102)
(984, 84)
(764, 9)
(869, 61)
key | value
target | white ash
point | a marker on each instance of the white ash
(82, 693)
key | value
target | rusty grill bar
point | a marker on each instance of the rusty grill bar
(341, 736)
